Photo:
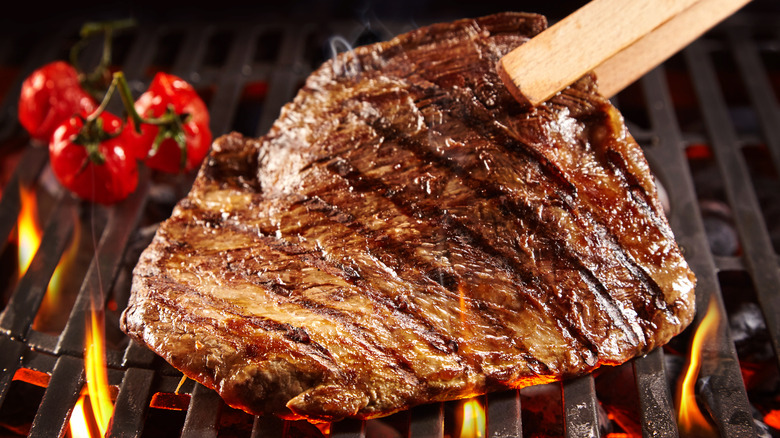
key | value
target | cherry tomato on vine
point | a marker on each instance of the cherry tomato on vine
(168, 93)
(92, 161)
(50, 96)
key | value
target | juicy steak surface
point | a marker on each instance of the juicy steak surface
(407, 232)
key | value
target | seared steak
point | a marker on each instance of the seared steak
(407, 233)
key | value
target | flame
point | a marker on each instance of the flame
(97, 376)
(78, 425)
(98, 390)
(29, 240)
(690, 419)
(473, 425)
(28, 228)
(50, 313)
(67, 260)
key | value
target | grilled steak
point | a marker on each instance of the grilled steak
(407, 232)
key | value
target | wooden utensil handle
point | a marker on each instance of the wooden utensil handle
(582, 41)
(631, 63)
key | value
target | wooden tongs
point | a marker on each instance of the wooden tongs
(620, 40)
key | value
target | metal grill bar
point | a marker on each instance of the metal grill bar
(504, 415)
(580, 407)
(348, 429)
(759, 254)
(20, 312)
(721, 363)
(268, 426)
(29, 167)
(285, 73)
(132, 403)
(758, 88)
(123, 220)
(63, 391)
(203, 413)
(231, 81)
(139, 56)
(137, 355)
(10, 361)
(427, 421)
(656, 408)
(191, 54)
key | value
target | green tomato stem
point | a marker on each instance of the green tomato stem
(95, 81)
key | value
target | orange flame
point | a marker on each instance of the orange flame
(56, 283)
(691, 420)
(98, 390)
(79, 425)
(97, 375)
(50, 313)
(28, 228)
(29, 240)
(473, 425)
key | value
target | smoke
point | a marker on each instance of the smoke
(347, 65)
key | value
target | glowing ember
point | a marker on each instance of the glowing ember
(473, 425)
(772, 419)
(28, 228)
(97, 383)
(691, 420)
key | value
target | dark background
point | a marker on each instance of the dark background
(32, 16)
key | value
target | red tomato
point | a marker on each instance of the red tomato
(168, 91)
(50, 96)
(106, 183)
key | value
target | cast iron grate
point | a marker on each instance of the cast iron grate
(246, 72)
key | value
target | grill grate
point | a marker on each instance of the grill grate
(246, 72)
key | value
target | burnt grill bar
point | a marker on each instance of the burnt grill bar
(10, 361)
(25, 301)
(721, 362)
(231, 81)
(132, 403)
(28, 169)
(122, 221)
(580, 407)
(655, 400)
(267, 426)
(67, 380)
(348, 429)
(503, 410)
(140, 376)
(758, 88)
(203, 413)
(760, 257)
(428, 420)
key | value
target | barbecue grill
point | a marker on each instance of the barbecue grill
(708, 120)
